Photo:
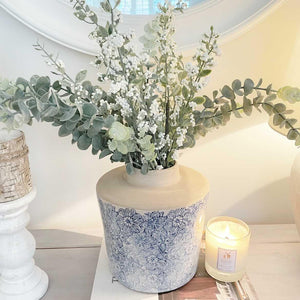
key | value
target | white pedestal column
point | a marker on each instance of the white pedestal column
(20, 278)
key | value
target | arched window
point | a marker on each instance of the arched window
(55, 20)
(140, 7)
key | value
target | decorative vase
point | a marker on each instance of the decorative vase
(295, 171)
(153, 226)
(295, 190)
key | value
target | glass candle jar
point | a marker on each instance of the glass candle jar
(227, 242)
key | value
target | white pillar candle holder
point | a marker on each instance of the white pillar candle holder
(226, 248)
(20, 278)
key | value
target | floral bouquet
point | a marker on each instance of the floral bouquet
(147, 105)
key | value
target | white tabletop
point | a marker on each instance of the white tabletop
(70, 259)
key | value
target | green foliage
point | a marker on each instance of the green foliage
(80, 76)
(154, 106)
(248, 86)
(227, 92)
(219, 114)
(130, 168)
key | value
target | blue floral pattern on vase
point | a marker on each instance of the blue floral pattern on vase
(155, 251)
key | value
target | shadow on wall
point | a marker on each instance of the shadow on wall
(261, 204)
(65, 178)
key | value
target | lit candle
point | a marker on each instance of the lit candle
(227, 242)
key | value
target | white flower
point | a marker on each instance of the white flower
(78, 88)
(217, 50)
(153, 128)
(193, 105)
(145, 57)
(181, 136)
(84, 93)
(115, 65)
(184, 82)
(148, 74)
(205, 81)
(172, 77)
(143, 128)
(60, 66)
(90, 13)
(154, 108)
(191, 69)
(175, 155)
(60, 63)
(204, 38)
(197, 85)
(118, 16)
(117, 40)
(125, 107)
(131, 47)
(192, 120)
(141, 115)
(205, 57)
(115, 87)
(104, 104)
(134, 61)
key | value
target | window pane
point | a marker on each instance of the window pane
(141, 7)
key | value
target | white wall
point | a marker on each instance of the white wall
(246, 163)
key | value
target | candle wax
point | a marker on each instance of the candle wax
(226, 249)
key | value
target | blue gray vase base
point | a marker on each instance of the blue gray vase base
(156, 290)
(153, 251)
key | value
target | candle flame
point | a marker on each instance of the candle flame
(227, 232)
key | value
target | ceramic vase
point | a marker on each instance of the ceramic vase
(153, 226)
(295, 190)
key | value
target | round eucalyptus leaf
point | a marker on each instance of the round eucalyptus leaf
(129, 168)
(97, 142)
(248, 86)
(64, 131)
(69, 114)
(89, 110)
(92, 131)
(84, 142)
(104, 153)
(227, 92)
(236, 85)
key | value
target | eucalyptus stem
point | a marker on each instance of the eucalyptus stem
(49, 56)
(167, 126)
(264, 89)
(68, 91)
(259, 103)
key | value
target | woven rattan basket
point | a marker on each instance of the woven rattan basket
(15, 178)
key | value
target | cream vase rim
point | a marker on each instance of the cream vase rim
(154, 178)
(113, 188)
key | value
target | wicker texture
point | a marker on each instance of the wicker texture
(15, 178)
